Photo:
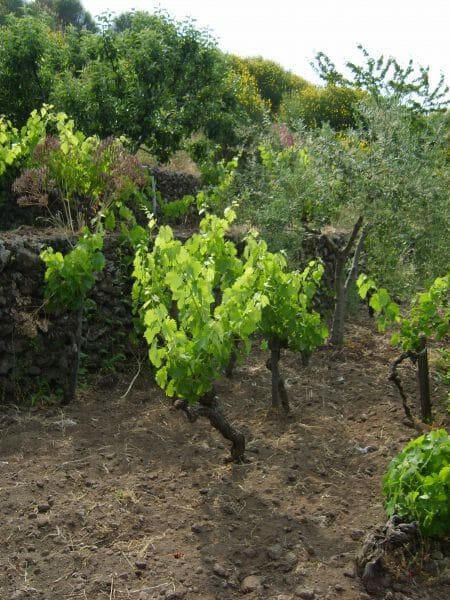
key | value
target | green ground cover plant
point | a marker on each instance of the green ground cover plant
(417, 483)
(427, 321)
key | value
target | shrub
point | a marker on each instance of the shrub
(315, 106)
(272, 80)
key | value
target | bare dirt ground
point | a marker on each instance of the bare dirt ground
(117, 498)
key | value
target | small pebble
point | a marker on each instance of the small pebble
(274, 552)
(251, 583)
(304, 593)
(356, 534)
(219, 570)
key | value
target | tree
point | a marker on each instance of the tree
(239, 115)
(386, 78)
(315, 106)
(30, 57)
(194, 302)
(14, 8)
(272, 81)
(66, 12)
(385, 180)
(156, 82)
(391, 179)
(393, 171)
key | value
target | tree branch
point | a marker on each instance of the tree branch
(356, 227)
(354, 268)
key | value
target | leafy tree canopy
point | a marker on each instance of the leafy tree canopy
(272, 80)
(30, 57)
(386, 77)
(65, 12)
(11, 7)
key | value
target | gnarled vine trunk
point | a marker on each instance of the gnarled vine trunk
(424, 382)
(421, 358)
(208, 407)
(278, 388)
(73, 359)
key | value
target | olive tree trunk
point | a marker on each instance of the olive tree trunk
(342, 280)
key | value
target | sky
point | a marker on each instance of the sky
(291, 32)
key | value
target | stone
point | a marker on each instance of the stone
(175, 595)
(349, 571)
(42, 522)
(219, 570)
(290, 559)
(274, 552)
(251, 583)
(356, 534)
(27, 260)
(305, 594)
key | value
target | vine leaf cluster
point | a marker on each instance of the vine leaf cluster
(199, 305)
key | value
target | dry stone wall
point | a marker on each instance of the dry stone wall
(173, 185)
(38, 352)
(38, 349)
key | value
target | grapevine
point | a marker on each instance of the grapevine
(428, 320)
(287, 320)
(199, 304)
(192, 314)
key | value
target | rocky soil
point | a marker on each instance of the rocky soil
(119, 497)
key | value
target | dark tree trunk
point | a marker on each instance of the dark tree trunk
(421, 358)
(337, 327)
(395, 378)
(70, 388)
(208, 407)
(424, 383)
(233, 360)
(343, 282)
(274, 360)
(231, 364)
(278, 388)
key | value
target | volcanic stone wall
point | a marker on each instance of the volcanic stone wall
(38, 349)
(173, 185)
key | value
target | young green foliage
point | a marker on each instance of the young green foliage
(198, 301)
(68, 278)
(288, 316)
(417, 483)
(194, 301)
(429, 314)
(16, 145)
